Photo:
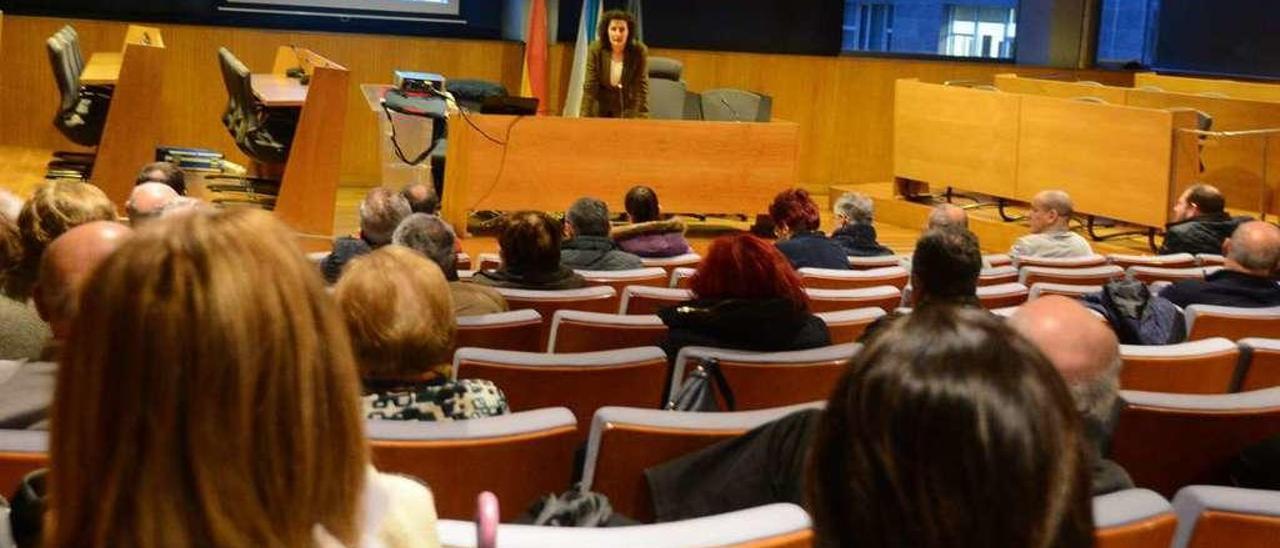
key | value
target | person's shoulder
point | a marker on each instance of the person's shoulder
(409, 517)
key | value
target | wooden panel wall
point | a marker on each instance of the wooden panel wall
(844, 105)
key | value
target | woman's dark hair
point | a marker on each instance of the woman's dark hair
(642, 204)
(602, 30)
(530, 242)
(166, 173)
(950, 429)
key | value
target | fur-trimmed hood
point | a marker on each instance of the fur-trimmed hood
(652, 227)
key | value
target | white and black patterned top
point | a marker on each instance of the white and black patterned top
(433, 400)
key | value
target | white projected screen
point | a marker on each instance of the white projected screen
(429, 7)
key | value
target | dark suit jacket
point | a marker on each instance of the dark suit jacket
(600, 99)
(1225, 288)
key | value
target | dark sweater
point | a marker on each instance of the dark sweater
(1225, 288)
(1199, 234)
(767, 325)
(813, 250)
(859, 240)
(561, 278)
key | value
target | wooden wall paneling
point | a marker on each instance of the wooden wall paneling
(309, 189)
(955, 136)
(1012, 83)
(1235, 89)
(132, 132)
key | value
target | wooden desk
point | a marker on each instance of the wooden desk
(548, 162)
(1057, 88)
(278, 90)
(1235, 89)
(969, 142)
(102, 69)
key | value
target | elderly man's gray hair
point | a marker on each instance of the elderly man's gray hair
(948, 216)
(1056, 201)
(588, 217)
(380, 213)
(1095, 397)
(855, 207)
(1255, 245)
(431, 236)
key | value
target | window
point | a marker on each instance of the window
(959, 28)
(1125, 31)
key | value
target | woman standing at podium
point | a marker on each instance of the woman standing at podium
(617, 83)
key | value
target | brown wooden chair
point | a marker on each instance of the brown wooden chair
(688, 260)
(1206, 366)
(619, 279)
(1094, 275)
(514, 330)
(846, 326)
(1212, 516)
(578, 331)
(1204, 321)
(997, 275)
(519, 457)
(1002, 296)
(1133, 518)
(1087, 261)
(598, 298)
(868, 263)
(1152, 274)
(1261, 364)
(826, 278)
(885, 297)
(1169, 441)
(760, 380)
(583, 382)
(21, 452)
(641, 299)
(463, 261)
(1175, 260)
(625, 441)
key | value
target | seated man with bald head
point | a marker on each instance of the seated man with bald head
(147, 201)
(947, 216)
(1087, 355)
(1200, 222)
(1050, 236)
(66, 265)
(1246, 281)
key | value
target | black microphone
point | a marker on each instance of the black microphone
(732, 111)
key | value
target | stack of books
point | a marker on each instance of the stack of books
(200, 160)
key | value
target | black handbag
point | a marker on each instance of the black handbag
(698, 393)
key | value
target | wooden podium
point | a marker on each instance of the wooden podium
(132, 130)
(545, 163)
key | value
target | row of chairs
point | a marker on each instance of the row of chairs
(1201, 516)
(1206, 366)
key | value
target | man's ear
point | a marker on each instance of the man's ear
(567, 231)
(1226, 247)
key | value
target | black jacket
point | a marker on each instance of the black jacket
(813, 250)
(562, 278)
(767, 325)
(596, 253)
(344, 249)
(1199, 234)
(1225, 288)
(859, 240)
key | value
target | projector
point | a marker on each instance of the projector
(418, 83)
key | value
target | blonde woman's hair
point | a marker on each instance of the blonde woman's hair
(54, 208)
(399, 312)
(207, 395)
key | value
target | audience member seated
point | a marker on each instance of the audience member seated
(1251, 256)
(1200, 222)
(422, 198)
(649, 235)
(854, 229)
(529, 245)
(1087, 355)
(947, 216)
(1050, 236)
(432, 237)
(746, 297)
(399, 313)
(795, 216)
(54, 208)
(67, 263)
(587, 245)
(22, 333)
(380, 213)
(165, 173)
(969, 440)
(147, 201)
(946, 265)
(209, 344)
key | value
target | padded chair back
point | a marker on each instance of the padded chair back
(1169, 441)
(1063, 262)
(519, 330)
(1002, 296)
(64, 74)
(760, 380)
(998, 259)
(1204, 321)
(868, 263)
(1212, 516)
(583, 382)
(1095, 275)
(664, 68)
(71, 38)
(578, 331)
(826, 278)
(21, 452)
(1210, 259)
(847, 326)
(884, 297)
(519, 457)
(82, 113)
(689, 260)
(997, 275)
(639, 299)
(1206, 366)
(591, 299)
(1175, 260)
(490, 261)
(666, 99)
(736, 105)
(680, 277)
(619, 279)
(1133, 518)
(779, 525)
(261, 133)
(1261, 364)
(1151, 274)
(625, 441)
(1041, 289)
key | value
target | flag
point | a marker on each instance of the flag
(534, 76)
(587, 20)
(633, 6)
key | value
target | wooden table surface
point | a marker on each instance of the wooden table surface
(278, 90)
(103, 68)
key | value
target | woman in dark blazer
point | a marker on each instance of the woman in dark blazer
(617, 83)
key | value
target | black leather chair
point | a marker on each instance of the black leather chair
(82, 110)
(263, 133)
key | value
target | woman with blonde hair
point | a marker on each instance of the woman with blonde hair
(208, 397)
(54, 208)
(399, 312)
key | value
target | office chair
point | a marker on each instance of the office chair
(262, 133)
(82, 112)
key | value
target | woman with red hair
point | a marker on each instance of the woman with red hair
(796, 216)
(746, 297)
